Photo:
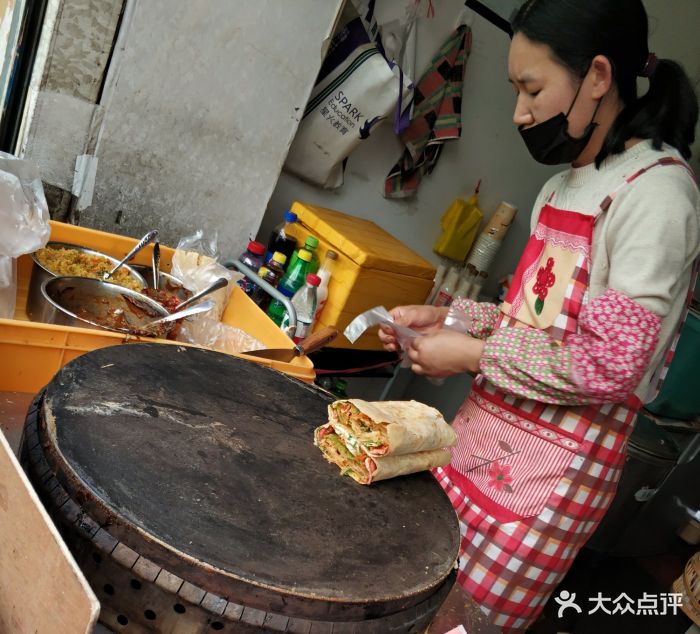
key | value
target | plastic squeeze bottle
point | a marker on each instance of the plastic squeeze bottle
(304, 301)
(463, 285)
(325, 273)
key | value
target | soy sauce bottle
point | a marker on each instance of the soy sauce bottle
(272, 274)
(280, 239)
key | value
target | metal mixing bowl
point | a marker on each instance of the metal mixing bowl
(35, 298)
(166, 281)
(91, 303)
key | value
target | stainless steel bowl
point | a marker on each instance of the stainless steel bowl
(166, 281)
(92, 303)
(35, 299)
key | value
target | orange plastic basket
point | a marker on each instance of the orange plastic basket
(32, 353)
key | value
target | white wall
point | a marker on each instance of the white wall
(490, 148)
(201, 102)
(673, 34)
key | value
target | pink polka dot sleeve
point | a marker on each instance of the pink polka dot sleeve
(603, 362)
(483, 315)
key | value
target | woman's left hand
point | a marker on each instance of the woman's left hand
(445, 353)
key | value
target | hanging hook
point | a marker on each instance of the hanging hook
(466, 17)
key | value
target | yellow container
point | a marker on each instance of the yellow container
(373, 269)
(460, 224)
(33, 352)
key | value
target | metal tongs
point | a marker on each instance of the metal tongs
(155, 263)
(147, 239)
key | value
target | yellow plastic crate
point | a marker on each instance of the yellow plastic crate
(373, 268)
(33, 352)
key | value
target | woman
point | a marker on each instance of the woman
(567, 359)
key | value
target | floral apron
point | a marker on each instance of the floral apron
(530, 481)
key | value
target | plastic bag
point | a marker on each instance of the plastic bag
(380, 316)
(458, 321)
(24, 218)
(8, 286)
(195, 263)
(399, 41)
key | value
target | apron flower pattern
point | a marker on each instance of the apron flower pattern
(545, 280)
(498, 473)
(500, 477)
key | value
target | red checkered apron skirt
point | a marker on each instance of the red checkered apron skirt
(530, 481)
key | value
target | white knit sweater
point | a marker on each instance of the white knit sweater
(645, 244)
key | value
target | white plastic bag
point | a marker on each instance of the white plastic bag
(380, 316)
(195, 263)
(24, 218)
(8, 286)
(456, 320)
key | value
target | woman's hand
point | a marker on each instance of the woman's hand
(445, 353)
(422, 319)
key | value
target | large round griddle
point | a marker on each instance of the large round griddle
(205, 463)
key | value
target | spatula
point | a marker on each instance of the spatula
(313, 342)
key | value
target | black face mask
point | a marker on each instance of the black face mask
(550, 143)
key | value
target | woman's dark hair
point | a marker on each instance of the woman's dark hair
(577, 31)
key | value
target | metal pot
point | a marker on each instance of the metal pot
(35, 300)
(166, 281)
(90, 303)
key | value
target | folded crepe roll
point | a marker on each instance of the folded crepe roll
(366, 469)
(390, 427)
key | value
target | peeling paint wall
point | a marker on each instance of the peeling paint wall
(80, 50)
(202, 107)
(63, 116)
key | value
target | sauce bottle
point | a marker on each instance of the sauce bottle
(280, 238)
(325, 273)
(272, 274)
(252, 257)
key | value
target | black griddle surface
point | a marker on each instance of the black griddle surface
(214, 455)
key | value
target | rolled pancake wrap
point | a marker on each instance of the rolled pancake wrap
(394, 428)
(366, 469)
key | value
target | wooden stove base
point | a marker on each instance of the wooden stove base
(137, 595)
